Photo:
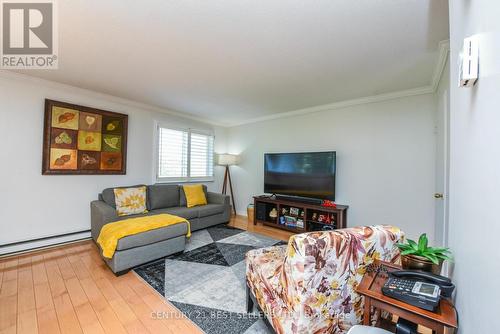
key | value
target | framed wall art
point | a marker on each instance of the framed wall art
(83, 140)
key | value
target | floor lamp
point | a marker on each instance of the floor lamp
(228, 160)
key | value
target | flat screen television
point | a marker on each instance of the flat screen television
(308, 174)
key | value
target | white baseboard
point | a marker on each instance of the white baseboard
(45, 243)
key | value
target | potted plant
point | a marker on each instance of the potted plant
(420, 256)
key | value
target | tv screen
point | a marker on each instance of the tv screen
(300, 174)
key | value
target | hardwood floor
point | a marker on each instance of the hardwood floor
(69, 289)
(242, 222)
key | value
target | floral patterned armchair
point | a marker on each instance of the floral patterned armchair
(309, 285)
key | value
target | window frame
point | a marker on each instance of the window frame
(188, 179)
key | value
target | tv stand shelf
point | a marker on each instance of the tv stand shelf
(314, 217)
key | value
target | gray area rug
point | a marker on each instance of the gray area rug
(207, 282)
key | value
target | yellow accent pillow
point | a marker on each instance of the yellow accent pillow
(130, 201)
(194, 195)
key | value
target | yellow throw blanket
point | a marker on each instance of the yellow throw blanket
(112, 232)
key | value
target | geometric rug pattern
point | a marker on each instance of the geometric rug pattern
(207, 281)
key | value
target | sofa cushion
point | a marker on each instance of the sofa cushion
(195, 195)
(188, 213)
(150, 237)
(163, 196)
(130, 201)
(210, 210)
(182, 196)
(108, 194)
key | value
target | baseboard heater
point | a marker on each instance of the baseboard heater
(43, 242)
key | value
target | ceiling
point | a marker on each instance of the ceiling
(228, 61)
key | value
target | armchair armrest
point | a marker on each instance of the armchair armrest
(100, 214)
(215, 198)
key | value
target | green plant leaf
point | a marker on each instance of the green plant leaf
(431, 257)
(408, 252)
(403, 246)
(443, 256)
(439, 249)
(422, 248)
(413, 244)
(422, 242)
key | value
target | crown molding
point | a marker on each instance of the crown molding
(443, 49)
(8, 75)
(342, 104)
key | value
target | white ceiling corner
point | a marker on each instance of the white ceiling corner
(444, 48)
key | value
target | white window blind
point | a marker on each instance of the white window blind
(184, 155)
(201, 155)
(173, 157)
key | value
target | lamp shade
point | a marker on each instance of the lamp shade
(227, 159)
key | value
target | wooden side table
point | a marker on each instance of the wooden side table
(371, 288)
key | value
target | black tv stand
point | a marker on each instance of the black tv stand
(314, 201)
(310, 214)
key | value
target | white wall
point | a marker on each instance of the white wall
(34, 206)
(385, 158)
(475, 169)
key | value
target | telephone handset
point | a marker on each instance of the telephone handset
(444, 283)
(418, 288)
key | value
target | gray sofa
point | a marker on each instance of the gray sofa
(148, 246)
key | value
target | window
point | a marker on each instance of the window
(184, 155)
